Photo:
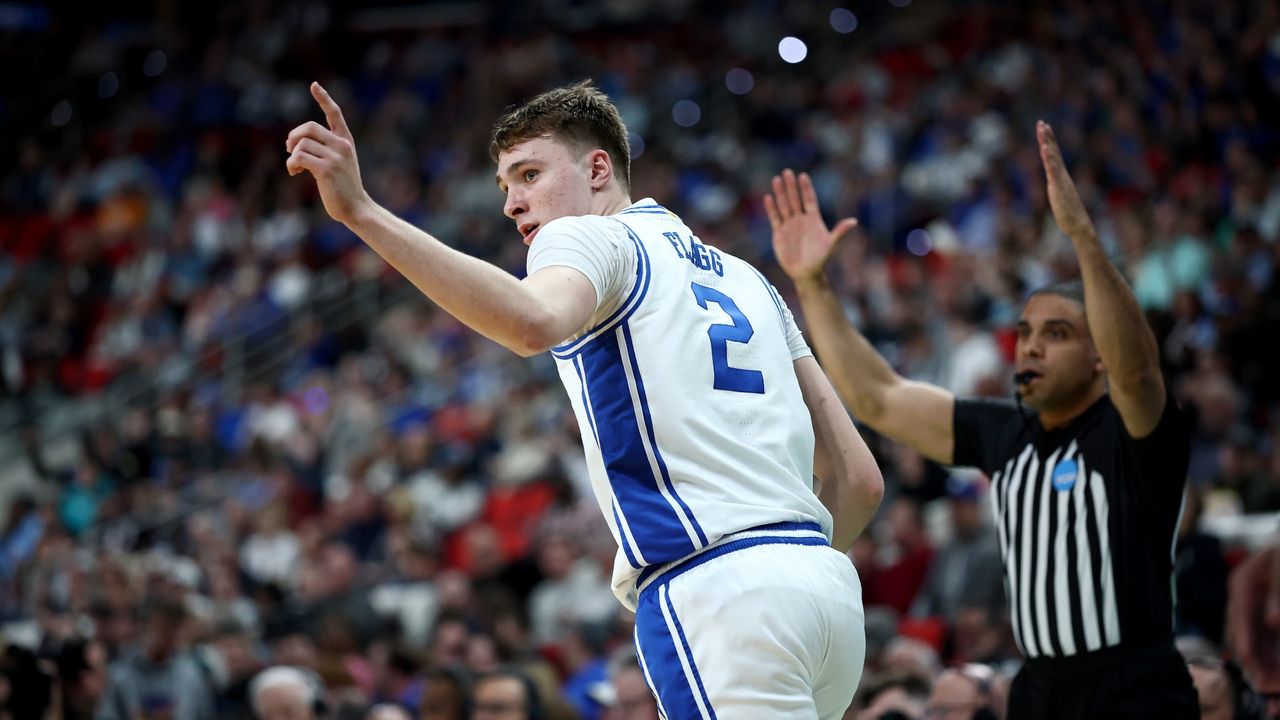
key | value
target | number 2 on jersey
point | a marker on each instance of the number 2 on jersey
(728, 377)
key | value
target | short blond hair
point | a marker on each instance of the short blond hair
(579, 115)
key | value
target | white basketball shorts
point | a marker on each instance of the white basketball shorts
(766, 623)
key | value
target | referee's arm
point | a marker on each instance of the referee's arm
(916, 414)
(1124, 340)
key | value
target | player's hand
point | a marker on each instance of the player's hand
(801, 240)
(1064, 199)
(329, 154)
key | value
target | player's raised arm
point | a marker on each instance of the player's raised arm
(917, 414)
(1120, 331)
(526, 316)
(851, 483)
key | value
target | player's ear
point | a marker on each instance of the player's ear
(599, 168)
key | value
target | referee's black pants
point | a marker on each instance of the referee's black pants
(1128, 683)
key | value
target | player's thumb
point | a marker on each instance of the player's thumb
(844, 227)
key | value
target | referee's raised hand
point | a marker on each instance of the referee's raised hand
(801, 240)
(1064, 199)
(329, 154)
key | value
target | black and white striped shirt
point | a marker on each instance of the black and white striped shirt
(1087, 520)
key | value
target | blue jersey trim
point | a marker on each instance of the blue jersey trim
(622, 538)
(653, 439)
(638, 292)
(586, 402)
(729, 547)
(688, 653)
(656, 645)
(655, 519)
(773, 293)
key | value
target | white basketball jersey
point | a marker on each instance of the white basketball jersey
(691, 414)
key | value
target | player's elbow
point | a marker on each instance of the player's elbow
(536, 333)
(868, 486)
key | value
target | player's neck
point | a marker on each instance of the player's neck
(610, 201)
(1054, 418)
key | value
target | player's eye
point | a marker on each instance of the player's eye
(529, 175)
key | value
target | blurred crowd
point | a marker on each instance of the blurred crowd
(304, 465)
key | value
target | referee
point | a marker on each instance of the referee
(1087, 469)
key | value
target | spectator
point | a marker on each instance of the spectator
(1200, 575)
(505, 694)
(444, 696)
(82, 677)
(1253, 616)
(894, 697)
(896, 578)
(968, 691)
(1224, 692)
(574, 590)
(159, 678)
(285, 692)
(966, 572)
(628, 694)
(387, 712)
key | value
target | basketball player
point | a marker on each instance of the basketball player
(703, 413)
(1086, 480)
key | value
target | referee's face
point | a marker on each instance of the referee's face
(1055, 348)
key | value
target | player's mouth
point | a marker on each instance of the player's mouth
(528, 230)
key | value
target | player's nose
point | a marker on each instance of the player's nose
(515, 204)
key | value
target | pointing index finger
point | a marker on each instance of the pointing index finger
(332, 113)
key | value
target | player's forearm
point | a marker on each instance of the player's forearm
(1119, 329)
(860, 375)
(486, 298)
(851, 483)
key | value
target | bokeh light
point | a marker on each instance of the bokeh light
(686, 113)
(108, 85)
(792, 49)
(739, 81)
(61, 114)
(919, 242)
(155, 63)
(843, 21)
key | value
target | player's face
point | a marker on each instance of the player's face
(544, 179)
(1054, 345)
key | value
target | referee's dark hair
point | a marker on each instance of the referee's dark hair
(1069, 289)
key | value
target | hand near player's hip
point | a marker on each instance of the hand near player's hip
(801, 240)
(329, 154)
